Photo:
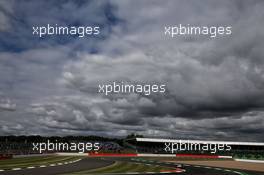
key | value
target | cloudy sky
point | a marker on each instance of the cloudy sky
(215, 86)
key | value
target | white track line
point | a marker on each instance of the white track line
(42, 166)
(208, 167)
(219, 169)
(15, 169)
(30, 167)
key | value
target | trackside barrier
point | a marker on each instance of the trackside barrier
(225, 157)
(198, 156)
(203, 156)
(158, 155)
(71, 154)
(248, 160)
(111, 155)
(32, 155)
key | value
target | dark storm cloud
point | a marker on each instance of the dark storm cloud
(18, 18)
(215, 87)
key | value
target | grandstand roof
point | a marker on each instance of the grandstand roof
(199, 141)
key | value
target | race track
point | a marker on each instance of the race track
(92, 163)
(81, 165)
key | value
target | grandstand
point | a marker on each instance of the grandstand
(245, 150)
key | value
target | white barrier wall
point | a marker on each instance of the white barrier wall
(71, 154)
(252, 161)
(156, 155)
(225, 157)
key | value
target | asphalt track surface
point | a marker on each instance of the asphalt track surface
(84, 164)
(92, 163)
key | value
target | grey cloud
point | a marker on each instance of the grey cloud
(206, 79)
(6, 104)
(20, 16)
(214, 86)
(249, 125)
(6, 9)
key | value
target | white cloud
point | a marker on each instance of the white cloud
(7, 105)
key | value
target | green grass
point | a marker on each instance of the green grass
(249, 156)
(123, 167)
(34, 161)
